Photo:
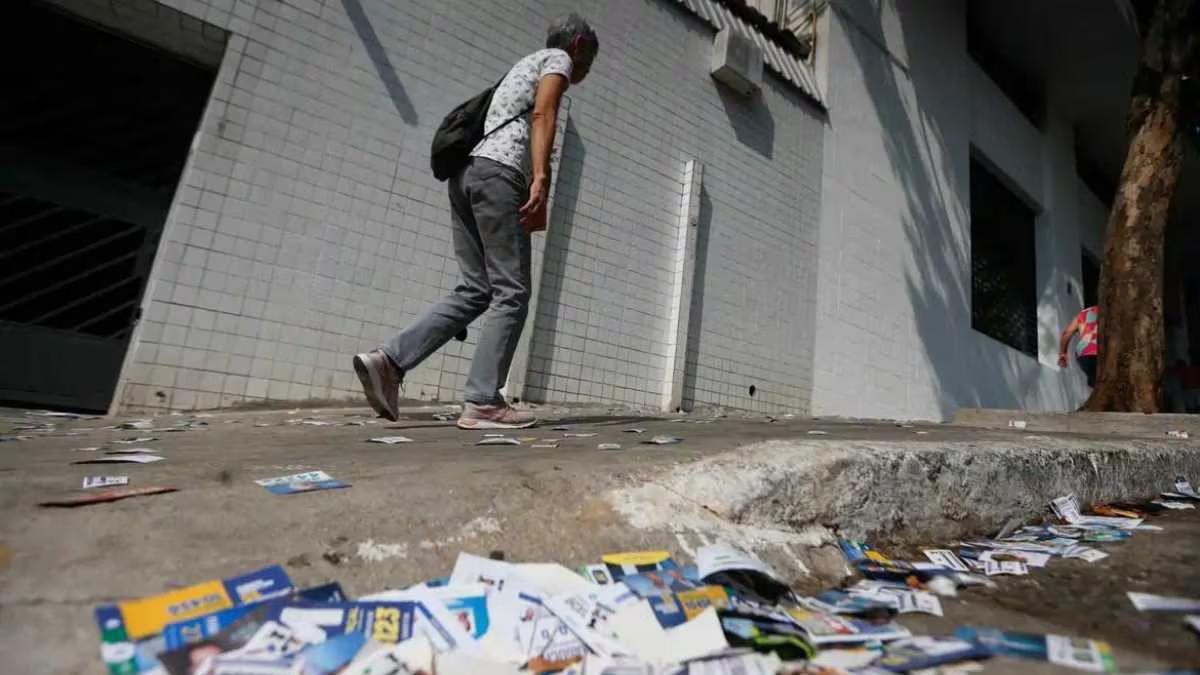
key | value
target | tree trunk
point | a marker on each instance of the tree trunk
(1131, 343)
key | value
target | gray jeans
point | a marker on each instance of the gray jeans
(494, 257)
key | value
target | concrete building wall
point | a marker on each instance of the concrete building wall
(307, 227)
(908, 110)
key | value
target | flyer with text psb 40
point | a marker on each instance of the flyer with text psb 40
(130, 632)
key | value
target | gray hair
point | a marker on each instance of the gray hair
(564, 31)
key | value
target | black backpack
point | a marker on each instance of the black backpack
(460, 132)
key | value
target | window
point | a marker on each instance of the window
(1022, 87)
(1003, 263)
(1090, 270)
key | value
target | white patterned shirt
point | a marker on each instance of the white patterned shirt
(514, 94)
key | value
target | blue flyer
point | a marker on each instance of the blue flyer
(182, 633)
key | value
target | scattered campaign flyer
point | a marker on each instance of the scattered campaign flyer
(635, 562)
(857, 551)
(921, 652)
(301, 482)
(919, 601)
(852, 604)
(947, 560)
(131, 631)
(90, 482)
(411, 656)
(1081, 654)
(597, 574)
(996, 567)
(467, 603)
(1149, 602)
(764, 634)
(717, 558)
(182, 633)
(1067, 509)
(390, 440)
(821, 629)
(1030, 558)
(1084, 553)
(1184, 487)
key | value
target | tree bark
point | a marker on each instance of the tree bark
(1130, 366)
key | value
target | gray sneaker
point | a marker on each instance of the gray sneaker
(381, 382)
(499, 416)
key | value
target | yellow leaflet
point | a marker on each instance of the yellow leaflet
(149, 616)
(700, 599)
(637, 558)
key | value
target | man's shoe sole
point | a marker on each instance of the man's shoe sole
(372, 387)
(476, 424)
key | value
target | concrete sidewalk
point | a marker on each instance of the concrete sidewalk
(772, 486)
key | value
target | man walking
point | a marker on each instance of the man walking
(496, 201)
(1086, 325)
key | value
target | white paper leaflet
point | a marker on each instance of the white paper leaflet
(1028, 557)
(995, 567)
(1084, 553)
(412, 656)
(1184, 487)
(919, 601)
(1067, 508)
(1075, 653)
(104, 481)
(723, 558)
(947, 559)
(1149, 602)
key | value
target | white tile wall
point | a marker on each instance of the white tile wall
(307, 227)
(894, 335)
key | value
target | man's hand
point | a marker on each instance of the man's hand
(533, 213)
(1062, 360)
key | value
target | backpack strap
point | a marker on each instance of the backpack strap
(507, 122)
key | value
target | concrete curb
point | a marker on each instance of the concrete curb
(789, 500)
(1127, 425)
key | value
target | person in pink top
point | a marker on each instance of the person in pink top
(1085, 325)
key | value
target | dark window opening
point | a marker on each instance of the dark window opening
(1003, 263)
(1092, 176)
(1022, 88)
(1090, 270)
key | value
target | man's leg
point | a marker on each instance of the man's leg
(496, 193)
(381, 371)
(1088, 365)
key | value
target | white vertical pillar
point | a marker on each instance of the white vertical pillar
(681, 287)
(518, 372)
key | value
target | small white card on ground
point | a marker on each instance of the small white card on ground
(104, 481)
(1149, 602)
(947, 559)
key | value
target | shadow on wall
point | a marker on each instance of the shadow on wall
(696, 316)
(966, 371)
(379, 58)
(751, 120)
(558, 242)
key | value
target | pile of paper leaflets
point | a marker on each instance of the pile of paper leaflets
(634, 613)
